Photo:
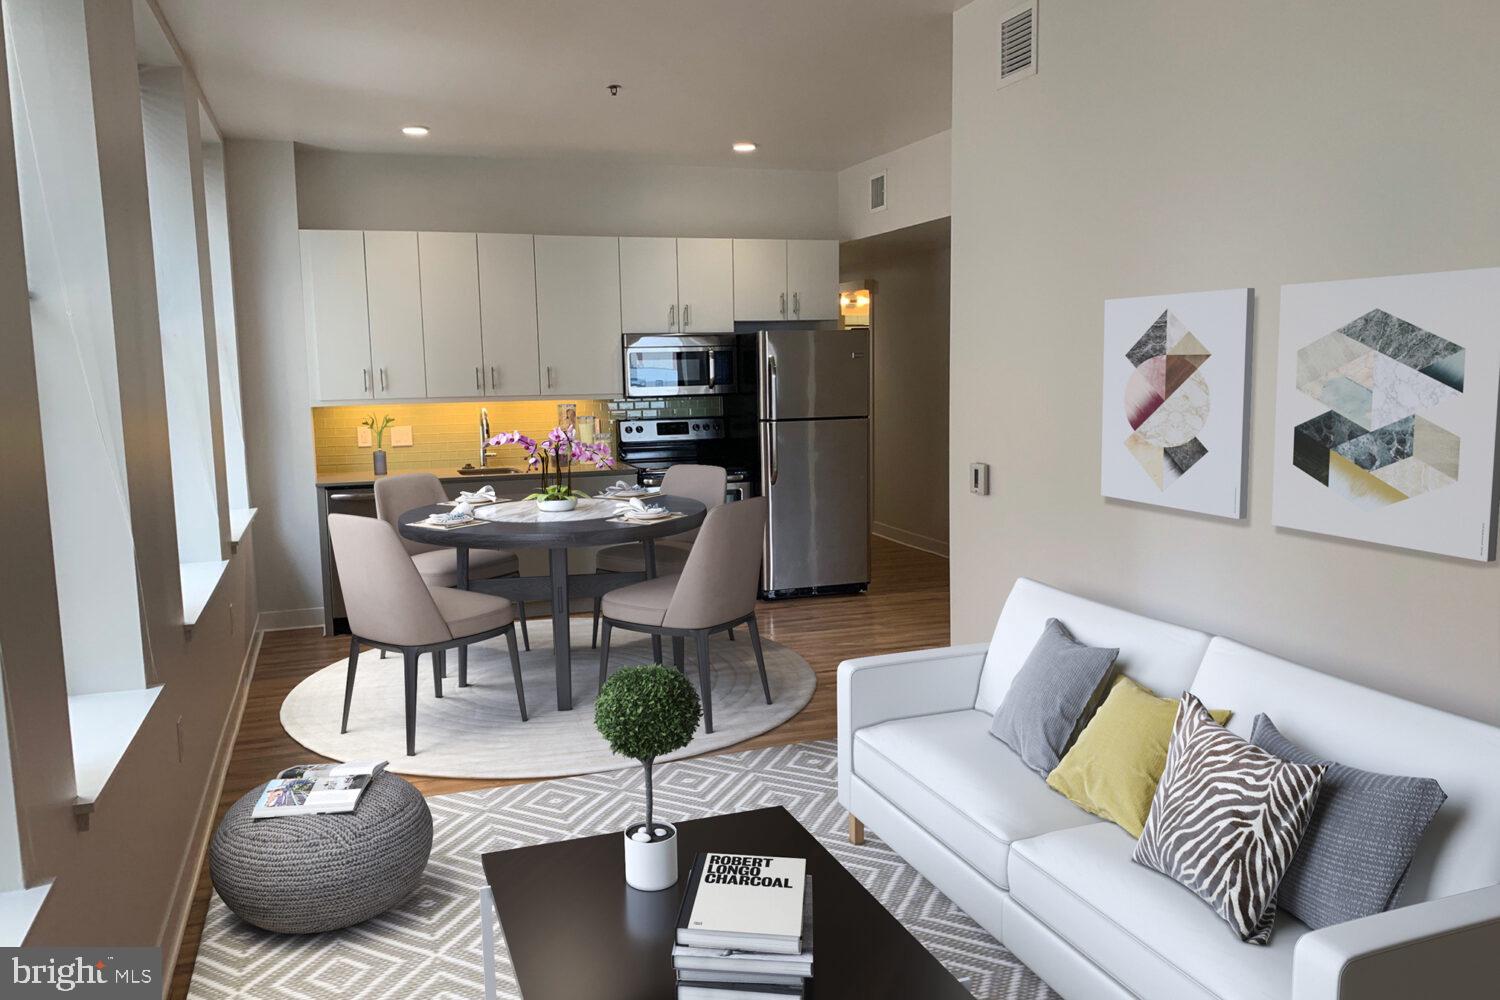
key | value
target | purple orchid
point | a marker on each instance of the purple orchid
(557, 453)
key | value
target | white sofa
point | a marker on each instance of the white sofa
(1056, 885)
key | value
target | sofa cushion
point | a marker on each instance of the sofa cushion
(1059, 684)
(1227, 819)
(1161, 656)
(965, 788)
(1337, 720)
(1139, 926)
(1361, 840)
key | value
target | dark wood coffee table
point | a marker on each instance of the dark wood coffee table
(575, 929)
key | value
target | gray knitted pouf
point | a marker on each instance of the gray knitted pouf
(305, 874)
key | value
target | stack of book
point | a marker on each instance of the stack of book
(745, 930)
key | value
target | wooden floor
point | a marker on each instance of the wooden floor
(906, 608)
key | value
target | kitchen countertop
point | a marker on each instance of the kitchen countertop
(351, 480)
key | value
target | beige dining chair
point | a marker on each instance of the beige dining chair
(392, 608)
(714, 592)
(438, 564)
(704, 483)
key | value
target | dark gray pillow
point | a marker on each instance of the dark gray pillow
(1360, 842)
(1054, 689)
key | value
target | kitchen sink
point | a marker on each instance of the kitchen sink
(494, 470)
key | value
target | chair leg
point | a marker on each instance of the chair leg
(525, 635)
(760, 660)
(604, 654)
(515, 670)
(704, 688)
(349, 684)
(656, 649)
(382, 654)
(439, 668)
(598, 613)
(411, 701)
(678, 645)
(463, 666)
(731, 633)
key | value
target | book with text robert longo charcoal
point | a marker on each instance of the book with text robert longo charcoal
(744, 902)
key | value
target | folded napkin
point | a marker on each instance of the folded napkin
(485, 494)
(618, 486)
(459, 514)
(644, 511)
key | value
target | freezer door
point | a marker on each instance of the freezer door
(806, 374)
(816, 474)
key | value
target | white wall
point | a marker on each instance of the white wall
(262, 188)
(1176, 145)
(917, 188)
(564, 197)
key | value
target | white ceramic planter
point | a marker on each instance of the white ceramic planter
(557, 506)
(651, 864)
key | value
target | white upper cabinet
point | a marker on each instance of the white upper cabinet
(507, 315)
(450, 314)
(648, 285)
(760, 280)
(338, 320)
(705, 285)
(393, 279)
(578, 314)
(812, 279)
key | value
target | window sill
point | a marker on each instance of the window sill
(199, 581)
(103, 727)
(18, 909)
(239, 523)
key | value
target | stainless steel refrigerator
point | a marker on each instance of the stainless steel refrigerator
(814, 414)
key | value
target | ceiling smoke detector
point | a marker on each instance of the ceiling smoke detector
(614, 89)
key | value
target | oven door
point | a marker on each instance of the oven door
(679, 366)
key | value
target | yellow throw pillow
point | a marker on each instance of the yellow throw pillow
(1115, 765)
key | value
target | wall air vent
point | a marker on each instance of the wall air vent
(1018, 33)
(877, 192)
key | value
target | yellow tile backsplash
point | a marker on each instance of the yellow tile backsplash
(444, 435)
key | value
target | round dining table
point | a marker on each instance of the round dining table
(518, 524)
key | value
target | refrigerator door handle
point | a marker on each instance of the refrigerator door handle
(771, 447)
(771, 386)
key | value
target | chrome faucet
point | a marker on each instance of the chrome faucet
(484, 438)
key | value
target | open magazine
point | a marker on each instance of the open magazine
(316, 788)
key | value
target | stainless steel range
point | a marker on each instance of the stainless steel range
(653, 446)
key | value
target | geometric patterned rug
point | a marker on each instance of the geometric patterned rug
(428, 947)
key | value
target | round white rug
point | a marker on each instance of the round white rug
(477, 732)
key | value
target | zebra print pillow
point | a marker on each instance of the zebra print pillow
(1226, 820)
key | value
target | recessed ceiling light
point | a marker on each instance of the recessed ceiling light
(414, 130)
(743, 147)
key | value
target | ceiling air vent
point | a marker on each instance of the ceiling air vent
(877, 192)
(1017, 44)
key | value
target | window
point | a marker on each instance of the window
(184, 303)
(217, 207)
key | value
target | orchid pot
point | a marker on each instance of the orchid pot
(554, 456)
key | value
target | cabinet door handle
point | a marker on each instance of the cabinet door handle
(796, 304)
(365, 373)
(478, 378)
(671, 315)
(494, 382)
(383, 385)
(783, 303)
(549, 376)
(687, 317)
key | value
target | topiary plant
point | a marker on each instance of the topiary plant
(647, 712)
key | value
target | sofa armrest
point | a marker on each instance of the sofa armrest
(1443, 947)
(876, 689)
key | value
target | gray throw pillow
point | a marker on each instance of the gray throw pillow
(1053, 691)
(1226, 820)
(1361, 840)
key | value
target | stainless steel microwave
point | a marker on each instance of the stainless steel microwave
(660, 365)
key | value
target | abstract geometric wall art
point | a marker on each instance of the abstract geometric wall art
(1386, 410)
(1174, 400)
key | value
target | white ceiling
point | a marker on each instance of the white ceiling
(819, 84)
